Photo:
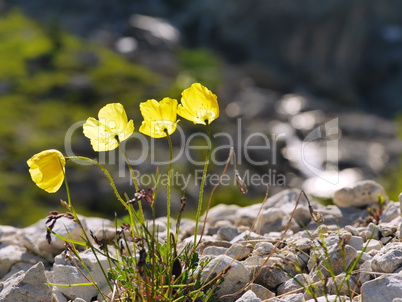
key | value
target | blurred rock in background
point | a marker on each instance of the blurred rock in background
(349, 51)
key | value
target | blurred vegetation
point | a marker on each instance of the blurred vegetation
(50, 80)
(392, 178)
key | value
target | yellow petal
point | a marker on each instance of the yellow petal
(150, 110)
(184, 112)
(112, 128)
(168, 109)
(148, 128)
(113, 116)
(159, 117)
(47, 169)
(127, 131)
(199, 104)
(91, 128)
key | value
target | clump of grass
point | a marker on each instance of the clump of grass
(144, 264)
(341, 282)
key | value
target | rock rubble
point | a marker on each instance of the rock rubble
(355, 255)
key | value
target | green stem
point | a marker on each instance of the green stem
(130, 167)
(169, 184)
(169, 189)
(85, 235)
(202, 185)
(68, 191)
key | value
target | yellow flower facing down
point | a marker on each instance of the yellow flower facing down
(47, 169)
(112, 128)
(198, 104)
(159, 117)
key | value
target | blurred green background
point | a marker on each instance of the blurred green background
(50, 80)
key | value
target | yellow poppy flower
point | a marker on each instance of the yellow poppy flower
(198, 104)
(112, 128)
(47, 169)
(159, 117)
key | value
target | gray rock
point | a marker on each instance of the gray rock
(372, 231)
(400, 202)
(373, 245)
(330, 298)
(12, 254)
(35, 237)
(341, 285)
(382, 289)
(268, 277)
(249, 296)
(292, 284)
(390, 212)
(187, 228)
(266, 220)
(356, 242)
(263, 248)
(247, 235)
(253, 260)
(260, 291)
(221, 211)
(385, 240)
(290, 298)
(362, 194)
(339, 260)
(303, 244)
(400, 209)
(389, 259)
(190, 241)
(235, 279)
(65, 272)
(386, 229)
(214, 251)
(329, 241)
(365, 269)
(20, 266)
(60, 297)
(27, 286)
(238, 251)
(227, 233)
(212, 243)
(10, 235)
(352, 230)
(302, 260)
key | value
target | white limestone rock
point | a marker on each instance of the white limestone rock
(292, 284)
(27, 286)
(382, 289)
(364, 193)
(249, 296)
(389, 259)
(235, 279)
(35, 237)
(238, 251)
(64, 272)
(13, 254)
(260, 291)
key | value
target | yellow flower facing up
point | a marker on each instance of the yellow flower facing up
(159, 117)
(112, 128)
(47, 169)
(198, 104)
